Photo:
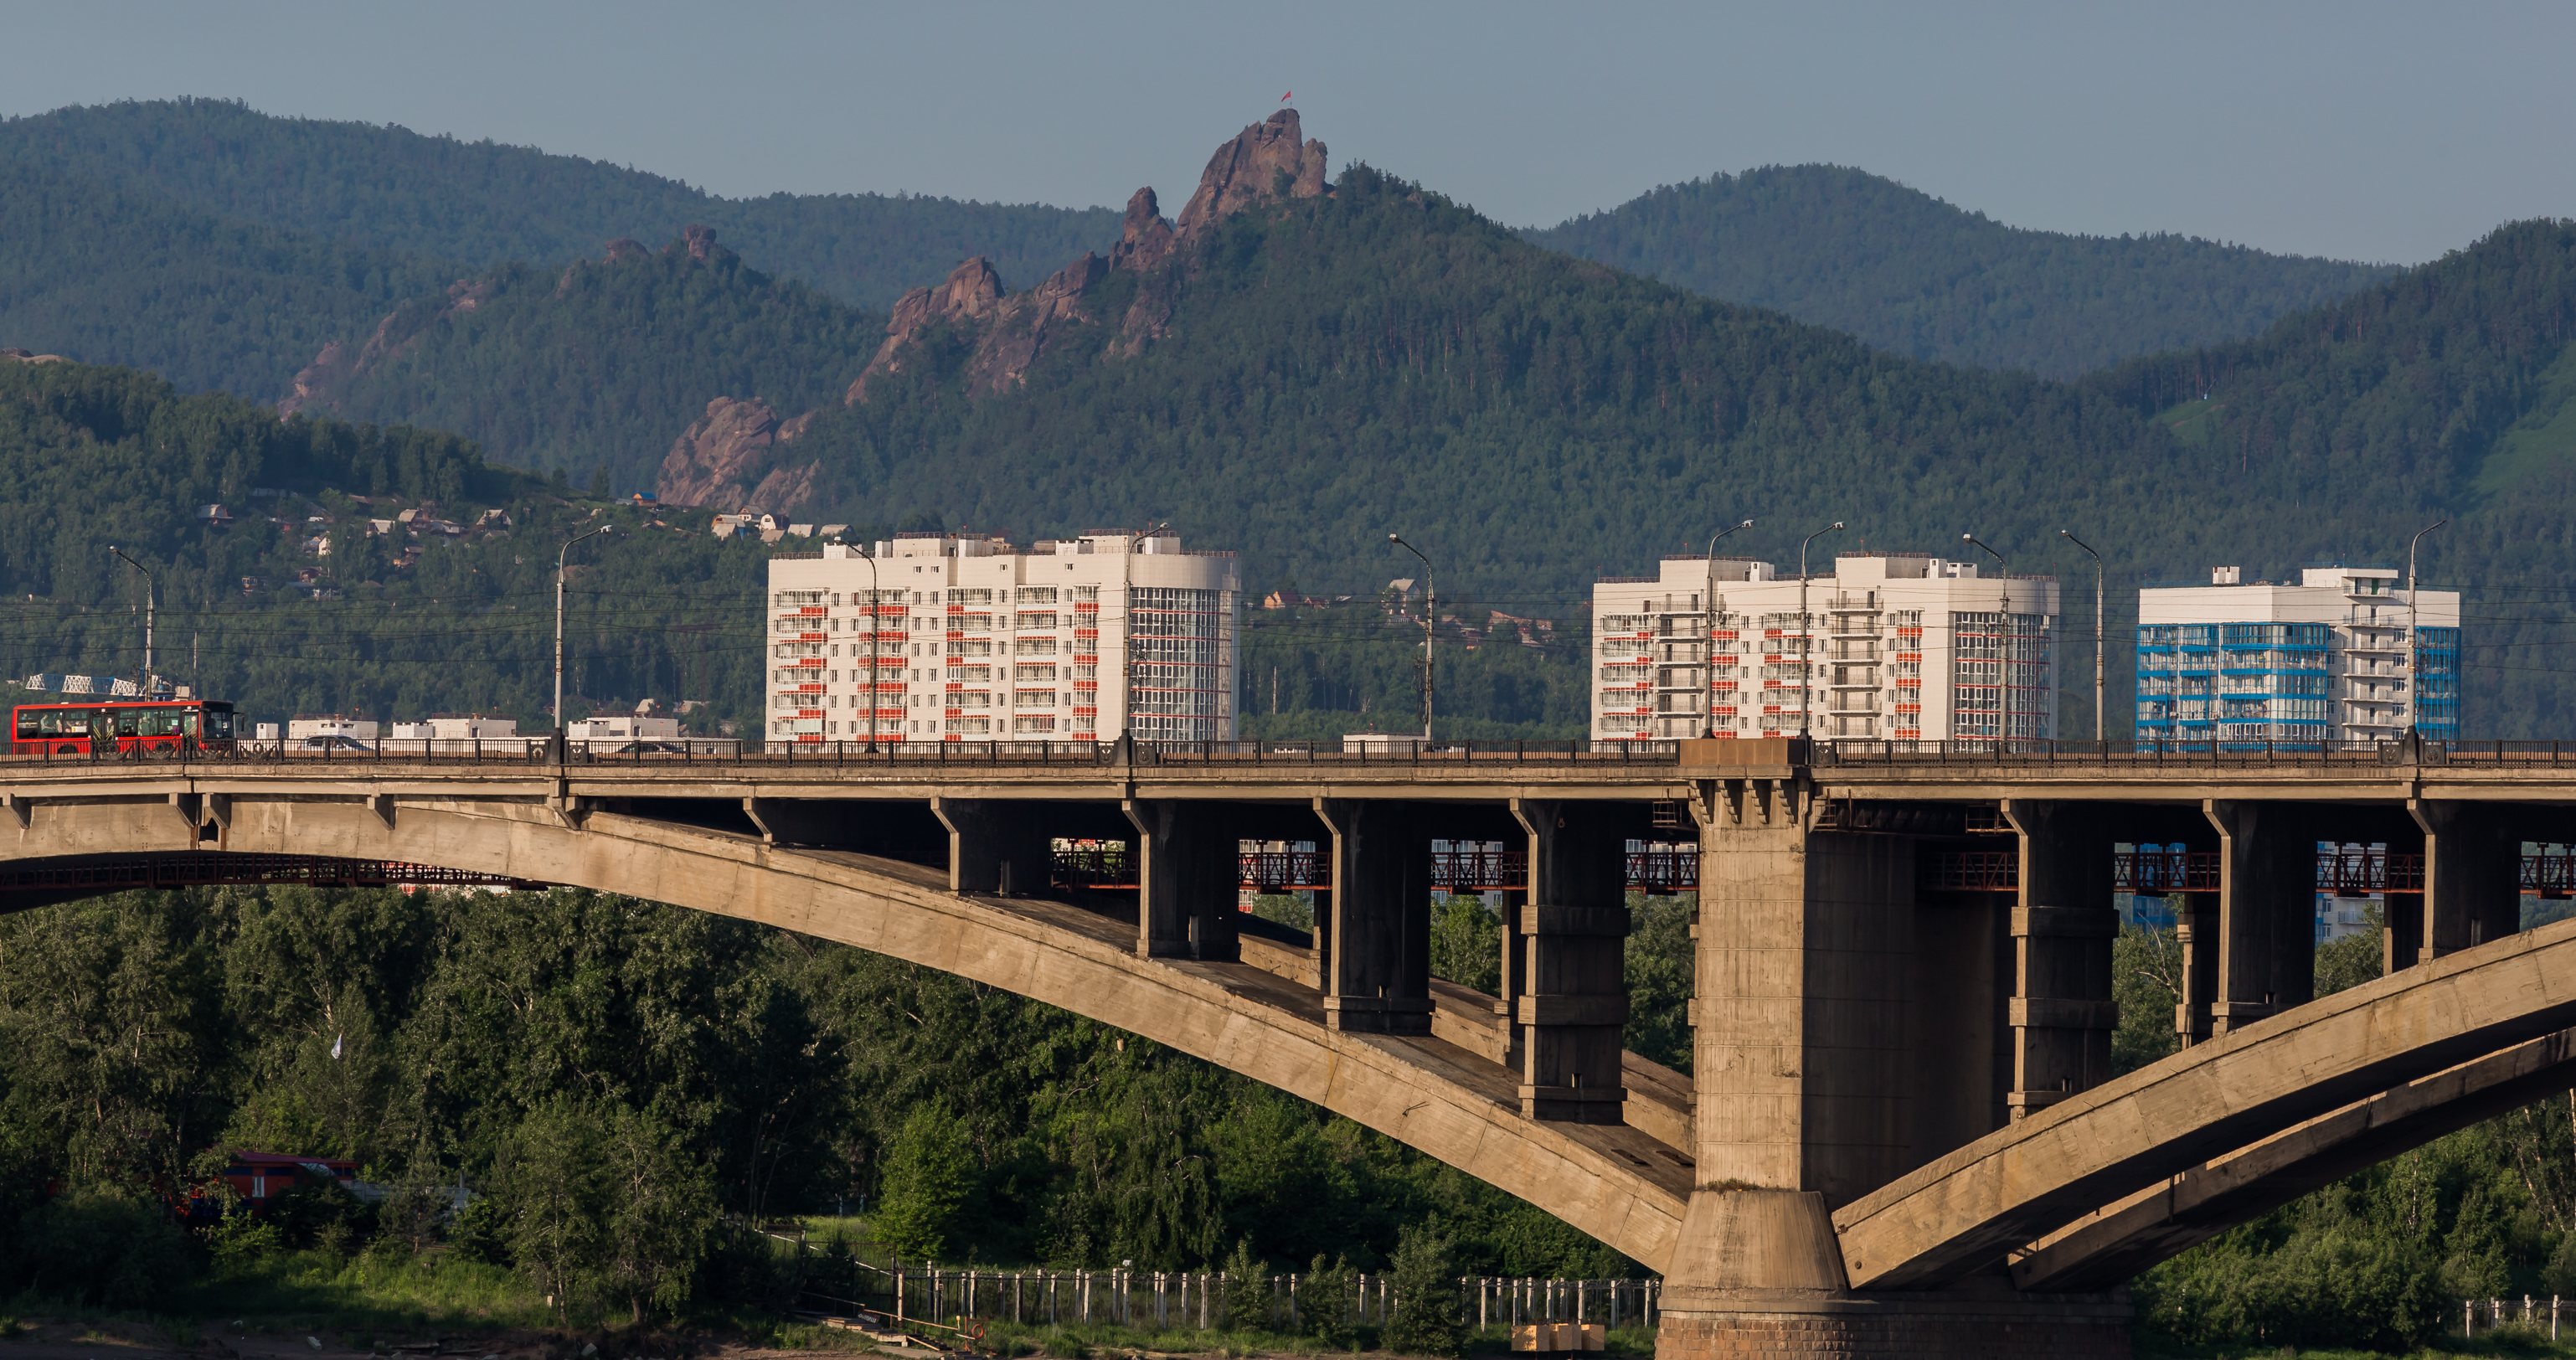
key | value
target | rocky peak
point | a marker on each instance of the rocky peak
(1265, 160)
(701, 244)
(724, 460)
(1147, 240)
(970, 291)
(626, 248)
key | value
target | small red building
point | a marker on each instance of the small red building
(260, 1177)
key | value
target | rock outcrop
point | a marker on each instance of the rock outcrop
(970, 291)
(1147, 239)
(1265, 160)
(725, 460)
(318, 384)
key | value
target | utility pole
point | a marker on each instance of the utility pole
(559, 628)
(1127, 583)
(1430, 613)
(1807, 634)
(2414, 650)
(1708, 635)
(2003, 644)
(2097, 630)
(147, 614)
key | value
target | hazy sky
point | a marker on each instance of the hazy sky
(2372, 131)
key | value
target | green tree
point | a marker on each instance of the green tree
(1324, 1297)
(1466, 943)
(1660, 964)
(930, 1174)
(603, 1203)
(1426, 1296)
(2146, 983)
(1247, 1289)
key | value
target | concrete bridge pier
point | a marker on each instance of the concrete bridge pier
(996, 846)
(1570, 1001)
(2265, 935)
(2061, 1011)
(2472, 877)
(1377, 962)
(1187, 881)
(1808, 1045)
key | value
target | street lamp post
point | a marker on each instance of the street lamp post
(2003, 644)
(2414, 651)
(1807, 634)
(1430, 612)
(2097, 631)
(1127, 583)
(147, 613)
(1708, 638)
(870, 554)
(559, 627)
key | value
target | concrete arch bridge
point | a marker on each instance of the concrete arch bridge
(1901, 1138)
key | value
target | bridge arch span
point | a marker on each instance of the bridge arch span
(1612, 1181)
(1963, 1212)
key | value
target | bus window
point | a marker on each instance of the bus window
(157, 722)
(125, 722)
(73, 723)
(219, 724)
(188, 724)
(31, 724)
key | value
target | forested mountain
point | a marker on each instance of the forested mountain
(598, 364)
(402, 620)
(1909, 273)
(394, 190)
(1333, 367)
(99, 270)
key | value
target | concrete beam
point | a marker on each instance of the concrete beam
(1960, 1214)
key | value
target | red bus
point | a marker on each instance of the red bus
(102, 725)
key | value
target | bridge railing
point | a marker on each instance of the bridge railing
(1847, 751)
(763, 753)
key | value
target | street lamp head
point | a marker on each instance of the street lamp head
(1745, 525)
(1392, 538)
(1967, 538)
(1838, 524)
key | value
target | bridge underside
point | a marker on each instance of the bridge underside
(1444, 1092)
(1903, 1138)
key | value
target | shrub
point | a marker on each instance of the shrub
(100, 1246)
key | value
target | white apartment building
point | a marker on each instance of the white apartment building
(1884, 646)
(2324, 660)
(975, 640)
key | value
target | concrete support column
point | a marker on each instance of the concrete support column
(994, 846)
(1573, 1007)
(2266, 927)
(1805, 1036)
(2472, 876)
(1513, 982)
(2062, 1012)
(1802, 1007)
(1377, 965)
(1185, 899)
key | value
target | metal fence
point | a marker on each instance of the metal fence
(961, 1301)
